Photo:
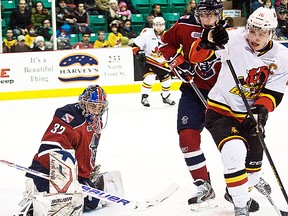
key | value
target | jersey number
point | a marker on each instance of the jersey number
(59, 129)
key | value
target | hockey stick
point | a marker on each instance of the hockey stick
(260, 137)
(279, 212)
(99, 194)
(198, 92)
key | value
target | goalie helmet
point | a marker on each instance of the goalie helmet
(93, 102)
(263, 19)
(159, 24)
(208, 6)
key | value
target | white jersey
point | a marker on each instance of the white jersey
(148, 41)
(254, 70)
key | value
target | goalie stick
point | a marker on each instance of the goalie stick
(99, 194)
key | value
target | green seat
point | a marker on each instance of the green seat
(137, 18)
(97, 23)
(165, 8)
(75, 38)
(93, 37)
(47, 4)
(137, 28)
(142, 5)
(170, 18)
(8, 5)
(177, 6)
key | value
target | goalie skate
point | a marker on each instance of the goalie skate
(203, 197)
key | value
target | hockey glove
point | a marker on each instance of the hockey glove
(260, 114)
(141, 57)
(181, 68)
(214, 38)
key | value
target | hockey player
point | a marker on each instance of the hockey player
(76, 127)
(261, 66)
(191, 111)
(145, 48)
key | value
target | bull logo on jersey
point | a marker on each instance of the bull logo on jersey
(255, 81)
(206, 70)
(93, 148)
(156, 52)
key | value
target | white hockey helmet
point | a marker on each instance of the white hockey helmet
(263, 18)
(159, 24)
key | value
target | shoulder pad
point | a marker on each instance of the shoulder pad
(71, 114)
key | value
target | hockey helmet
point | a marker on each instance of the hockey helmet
(159, 24)
(209, 6)
(263, 18)
(93, 102)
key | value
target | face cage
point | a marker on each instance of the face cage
(218, 13)
(96, 121)
(272, 31)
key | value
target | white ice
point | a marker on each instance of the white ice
(142, 143)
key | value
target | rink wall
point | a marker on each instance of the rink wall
(67, 72)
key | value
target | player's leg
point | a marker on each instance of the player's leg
(165, 80)
(148, 81)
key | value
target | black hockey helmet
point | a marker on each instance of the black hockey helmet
(205, 6)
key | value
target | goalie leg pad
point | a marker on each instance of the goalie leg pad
(57, 204)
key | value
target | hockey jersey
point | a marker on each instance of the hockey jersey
(69, 130)
(182, 35)
(149, 42)
(263, 76)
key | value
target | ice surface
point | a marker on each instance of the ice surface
(142, 143)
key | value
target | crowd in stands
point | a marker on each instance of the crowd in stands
(30, 25)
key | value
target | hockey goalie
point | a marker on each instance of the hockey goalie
(67, 155)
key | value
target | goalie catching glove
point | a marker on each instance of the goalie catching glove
(252, 127)
(214, 38)
(181, 68)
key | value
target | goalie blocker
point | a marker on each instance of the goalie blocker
(63, 193)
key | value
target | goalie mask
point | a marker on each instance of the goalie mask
(158, 24)
(94, 104)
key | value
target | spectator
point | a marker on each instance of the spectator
(85, 42)
(39, 15)
(39, 44)
(260, 3)
(20, 19)
(236, 4)
(229, 22)
(126, 30)
(91, 7)
(130, 6)
(82, 18)
(112, 12)
(114, 38)
(103, 7)
(64, 15)
(282, 28)
(123, 12)
(8, 42)
(281, 7)
(156, 10)
(46, 30)
(149, 21)
(63, 37)
(29, 38)
(101, 42)
(20, 46)
(190, 8)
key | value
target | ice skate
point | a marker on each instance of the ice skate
(253, 204)
(242, 211)
(166, 100)
(203, 197)
(144, 100)
(263, 187)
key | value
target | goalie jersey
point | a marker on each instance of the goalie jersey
(68, 130)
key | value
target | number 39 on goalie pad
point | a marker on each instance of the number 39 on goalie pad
(63, 172)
